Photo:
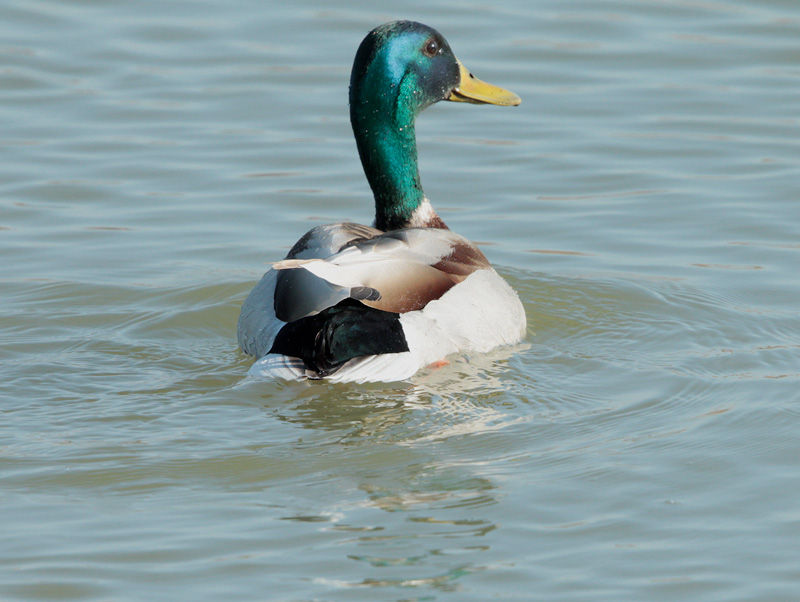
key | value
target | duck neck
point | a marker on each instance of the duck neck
(388, 153)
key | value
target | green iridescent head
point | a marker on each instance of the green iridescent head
(400, 69)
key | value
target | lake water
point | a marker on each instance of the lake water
(641, 444)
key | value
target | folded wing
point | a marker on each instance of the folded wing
(398, 271)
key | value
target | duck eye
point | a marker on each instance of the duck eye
(431, 47)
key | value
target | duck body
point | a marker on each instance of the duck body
(362, 303)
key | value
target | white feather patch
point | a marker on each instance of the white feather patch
(328, 271)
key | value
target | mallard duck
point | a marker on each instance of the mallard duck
(378, 303)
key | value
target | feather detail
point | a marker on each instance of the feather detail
(328, 271)
(290, 264)
(346, 331)
(398, 271)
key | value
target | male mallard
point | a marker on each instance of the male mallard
(359, 303)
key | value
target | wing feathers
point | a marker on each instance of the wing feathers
(399, 271)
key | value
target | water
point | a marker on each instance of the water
(641, 443)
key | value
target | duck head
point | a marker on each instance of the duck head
(400, 69)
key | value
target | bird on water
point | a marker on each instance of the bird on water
(357, 303)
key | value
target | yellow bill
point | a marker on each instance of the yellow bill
(471, 89)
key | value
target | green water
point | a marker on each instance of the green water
(641, 444)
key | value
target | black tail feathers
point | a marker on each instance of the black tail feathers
(340, 333)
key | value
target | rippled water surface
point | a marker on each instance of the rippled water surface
(640, 444)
